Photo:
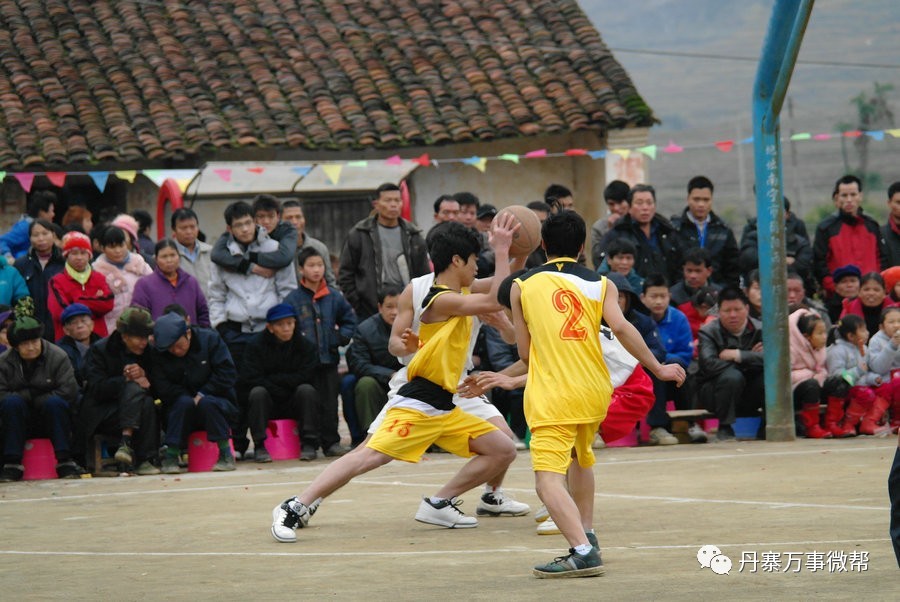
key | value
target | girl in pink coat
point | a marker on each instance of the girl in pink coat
(122, 269)
(808, 371)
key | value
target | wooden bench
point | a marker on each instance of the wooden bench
(103, 467)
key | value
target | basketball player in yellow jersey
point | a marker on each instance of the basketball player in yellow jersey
(557, 309)
(423, 413)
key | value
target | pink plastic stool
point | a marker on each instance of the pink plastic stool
(39, 460)
(203, 454)
(283, 439)
(629, 440)
(710, 424)
(644, 431)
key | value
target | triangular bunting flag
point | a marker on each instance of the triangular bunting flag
(672, 148)
(256, 170)
(576, 152)
(622, 152)
(357, 164)
(2, 176)
(127, 175)
(748, 140)
(509, 157)
(895, 133)
(224, 174)
(25, 180)
(724, 145)
(597, 154)
(476, 162)
(156, 176)
(649, 150)
(536, 154)
(301, 170)
(57, 178)
(852, 134)
(100, 178)
(876, 135)
(333, 172)
(423, 160)
(822, 137)
(183, 183)
(801, 136)
(395, 160)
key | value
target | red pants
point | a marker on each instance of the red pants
(630, 403)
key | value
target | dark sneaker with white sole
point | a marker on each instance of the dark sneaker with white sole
(69, 470)
(573, 565)
(11, 472)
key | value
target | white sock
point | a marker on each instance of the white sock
(489, 489)
(435, 500)
(583, 549)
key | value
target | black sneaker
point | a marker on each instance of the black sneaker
(335, 451)
(573, 565)
(308, 454)
(225, 463)
(125, 455)
(261, 455)
(11, 472)
(726, 433)
(69, 470)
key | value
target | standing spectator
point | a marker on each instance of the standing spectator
(195, 254)
(890, 232)
(37, 390)
(194, 376)
(327, 320)
(14, 243)
(129, 226)
(699, 227)
(369, 359)
(847, 236)
(731, 363)
(170, 284)
(43, 261)
(468, 209)
(539, 255)
(797, 247)
(652, 235)
(144, 222)
(872, 300)
(117, 398)
(12, 285)
(122, 269)
(278, 371)
(292, 212)
(696, 272)
(559, 198)
(446, 209)
(78, 218)
(381, 250)
(616, 196)
(78, 283)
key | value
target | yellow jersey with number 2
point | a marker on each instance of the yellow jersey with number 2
(568, 383)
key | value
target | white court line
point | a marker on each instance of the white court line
(507, 550)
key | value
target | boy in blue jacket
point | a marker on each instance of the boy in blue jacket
(327, 320)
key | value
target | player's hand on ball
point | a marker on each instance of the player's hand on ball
(502, 230)
(673, 372)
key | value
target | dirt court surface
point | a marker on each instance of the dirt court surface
(198, 536)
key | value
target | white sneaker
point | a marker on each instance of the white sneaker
(445, 514)
(497, 504)
(598, 443)
(541, 515)
(660, 436)
(548, 527)
(290, 515)
(697, 434)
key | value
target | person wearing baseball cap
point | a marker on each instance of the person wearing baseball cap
(277, 370)
(117, 399)
(846, 280)
(78, 283)
(78, 324)
(485, 215)
(39, 390)
(195, 378)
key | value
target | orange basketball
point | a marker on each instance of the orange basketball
(528, 236)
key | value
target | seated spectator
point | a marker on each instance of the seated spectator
(539, 255)
(370, 361)
(40, 205)
(500, 355)
(753, 292)
(620, 259)
(326, 320)
(7, 317)
(891, 230)
(78, 324)
(807, 333)
(849, 378)
(700, 310)
(78, 283)
(266, 262)
(616, 196)
(635, 312)
(194, 376)
(42, 262)
(797, 299)
(122, 269)
(144, 221)
(117, 399)
(696, 272)
(278, 371)
(870, 303)
(797, 247)
(731, 363)
(37, 391)
(892, 282)
(170, 284)
(846, 281)
(883, 358)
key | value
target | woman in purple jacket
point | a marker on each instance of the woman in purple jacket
(170, 284)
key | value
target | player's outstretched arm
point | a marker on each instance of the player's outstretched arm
(400, 341)
(523, 337)
(632, 340)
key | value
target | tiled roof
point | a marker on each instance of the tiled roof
(136, 80)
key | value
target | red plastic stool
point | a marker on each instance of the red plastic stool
(39, 460)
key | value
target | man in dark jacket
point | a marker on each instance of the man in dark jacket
(380, 250)
(194, 376)
(731, 362)
(78, 324)
(699, 227)
(891, 230)
(278, 369)
(658, 250)
(369, 359)
(847, 236)
(797, 247)
(37, 389)
(117, 397)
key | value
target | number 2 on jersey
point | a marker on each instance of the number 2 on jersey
(567, 302)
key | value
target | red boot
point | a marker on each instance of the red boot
(861, 401)
(895, 414)
(834, 412)
(809, 416)
(871, 421)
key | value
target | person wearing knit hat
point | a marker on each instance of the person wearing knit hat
(117, 399)
(38, 398)
(78, 324)
(891, 280)
(78, 283)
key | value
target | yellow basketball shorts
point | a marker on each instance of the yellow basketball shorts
(551, 446)
(406, 434)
